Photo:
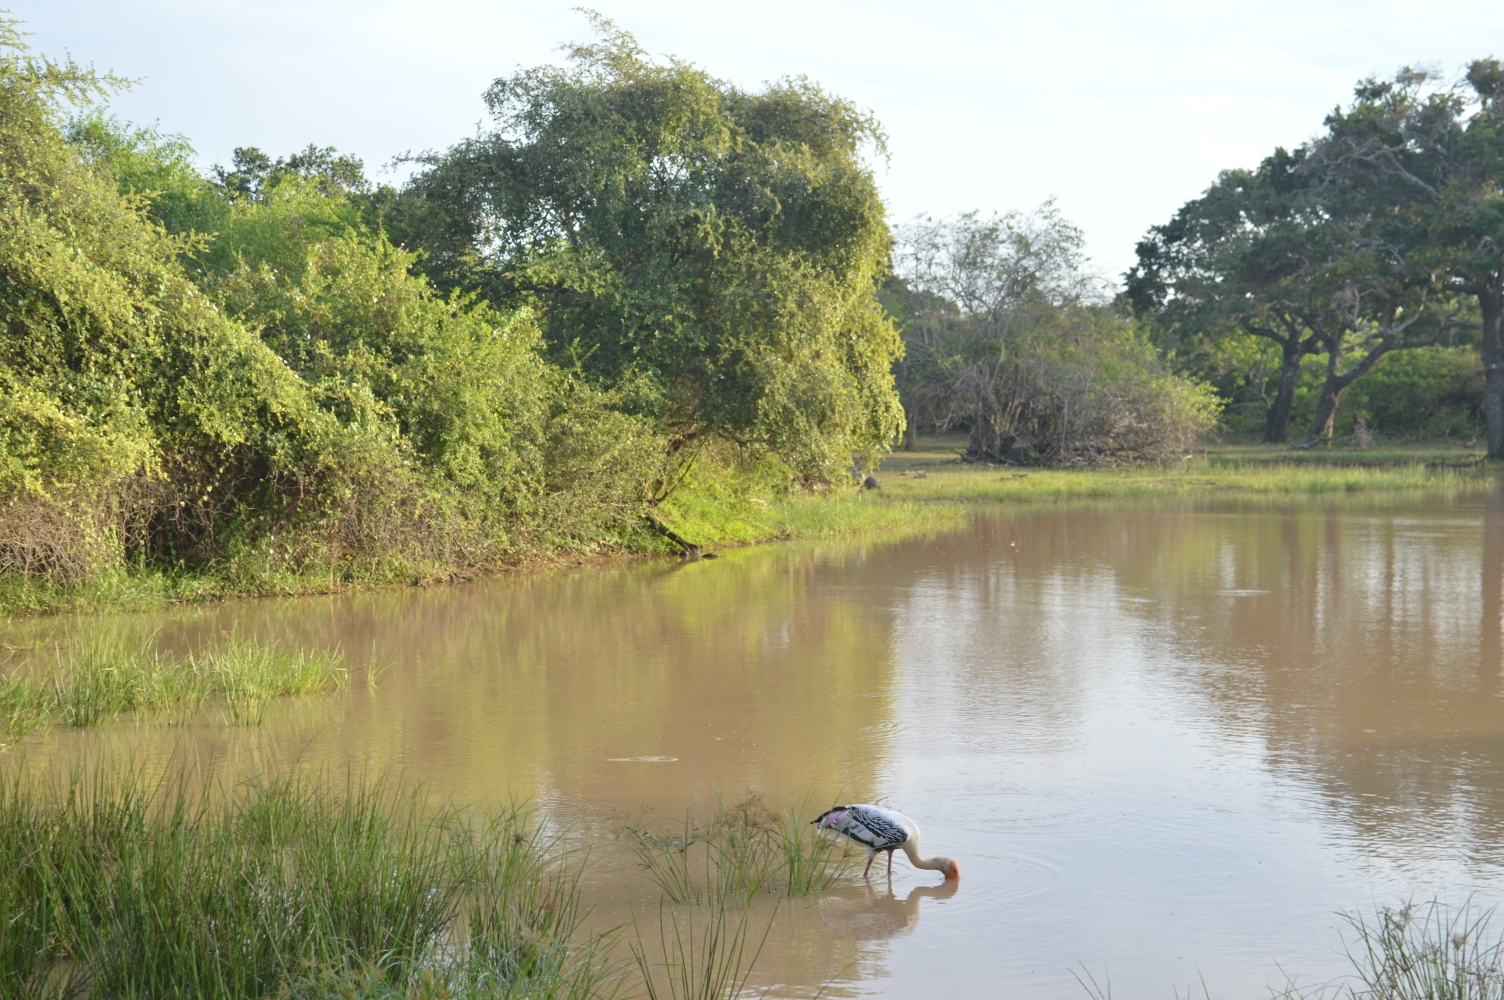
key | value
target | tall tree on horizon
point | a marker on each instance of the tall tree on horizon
(1425, 160)
(711, 253)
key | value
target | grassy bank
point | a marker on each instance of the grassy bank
(116, 887)
(87, 682)
(920, 490)
(933, 473)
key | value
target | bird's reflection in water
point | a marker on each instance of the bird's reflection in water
(876, 917)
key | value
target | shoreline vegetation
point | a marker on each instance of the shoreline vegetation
(641, 312)
(280, 378)
(926, 488)
(91, 681)
(299, 888)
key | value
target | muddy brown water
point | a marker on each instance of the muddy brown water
(1167, 743)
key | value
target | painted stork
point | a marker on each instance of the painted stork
(879, 829)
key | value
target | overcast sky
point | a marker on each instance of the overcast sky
(1120, 110)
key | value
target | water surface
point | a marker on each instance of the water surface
(1170, 743)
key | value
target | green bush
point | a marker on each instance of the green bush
(243, 378)
(1426, 393)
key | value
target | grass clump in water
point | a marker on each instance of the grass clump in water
(248, 676)
(743, 850)
(115, 889)
(93, 681)
(1427, 951)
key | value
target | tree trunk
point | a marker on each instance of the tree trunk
(1333, 388)
(910, 431)
(1335, 385)
(1491, 303)
(1277, 420)
(1326, 412)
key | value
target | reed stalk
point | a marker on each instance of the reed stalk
(1427, 951)
(1418, 951)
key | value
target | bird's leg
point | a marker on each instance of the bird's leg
(890, 864)
(869, 863)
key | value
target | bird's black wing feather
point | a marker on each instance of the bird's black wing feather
(874, 831)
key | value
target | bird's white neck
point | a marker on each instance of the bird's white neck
(911, 848)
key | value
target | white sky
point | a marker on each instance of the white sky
(1121, 110)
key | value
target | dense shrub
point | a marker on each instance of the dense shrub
(275, 399)
(1007, 338)
(1427, 393)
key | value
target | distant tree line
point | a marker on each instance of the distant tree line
(1368, 260)
(1009, 338)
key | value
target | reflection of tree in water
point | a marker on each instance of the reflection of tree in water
(649, 685)
(877, 916)
(1346, 636)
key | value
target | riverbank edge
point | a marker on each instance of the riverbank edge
(919, 490)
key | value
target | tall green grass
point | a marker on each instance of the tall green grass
(90, 681)
(1427, 951)
(1189, 480)
(744, 849)
(113, 888)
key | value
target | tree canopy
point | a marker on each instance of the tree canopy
(1009, 336)
(1376, 236)
(241, 372)
(712, 253)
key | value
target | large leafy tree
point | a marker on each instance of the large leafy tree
(1425, 162)
(1279, 255)
(1236, 262)
(713, 254)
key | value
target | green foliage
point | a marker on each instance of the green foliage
(1007, 338)
(152, 167)
(128, 397)
(1263, 255)
(1424, 162)
(1380, 234)
(1436, 392)
(87, 683)
(242, 377)
(117, 888)
(713, 254)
